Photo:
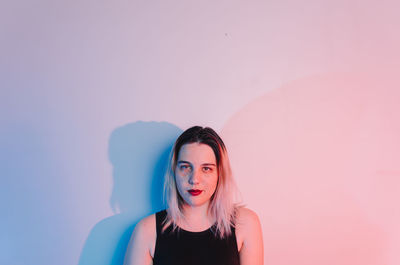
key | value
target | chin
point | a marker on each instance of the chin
(198, 204)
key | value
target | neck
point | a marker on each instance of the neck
(197, 217)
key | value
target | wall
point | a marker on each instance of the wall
(304, 93)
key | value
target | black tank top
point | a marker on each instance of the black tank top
(183, 247)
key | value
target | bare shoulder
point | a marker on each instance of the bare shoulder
(146, 226)
(145, 231)
(246, 218)
(141, 246)
(249, 237)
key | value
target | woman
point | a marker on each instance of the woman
(202, 224)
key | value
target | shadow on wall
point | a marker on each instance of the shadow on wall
(139, 154)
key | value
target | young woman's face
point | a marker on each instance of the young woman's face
(196, 173)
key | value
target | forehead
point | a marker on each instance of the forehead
(197, 152)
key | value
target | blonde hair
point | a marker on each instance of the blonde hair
(222, 206)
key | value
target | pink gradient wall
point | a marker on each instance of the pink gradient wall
(319, 159)
(306, 95)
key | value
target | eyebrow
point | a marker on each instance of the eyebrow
(208, 164)
(187, 162)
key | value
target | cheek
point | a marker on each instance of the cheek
(179, 184)
(213, 182)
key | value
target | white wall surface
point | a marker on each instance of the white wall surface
(94, 92)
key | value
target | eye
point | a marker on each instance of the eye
(207, 169)
(184, 167)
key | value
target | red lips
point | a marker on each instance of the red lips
(194, 192)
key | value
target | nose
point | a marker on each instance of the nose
(194, 178)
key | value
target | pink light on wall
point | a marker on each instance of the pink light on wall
(319, 160)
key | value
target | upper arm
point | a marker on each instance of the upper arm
(142, 242)
(249, 227)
